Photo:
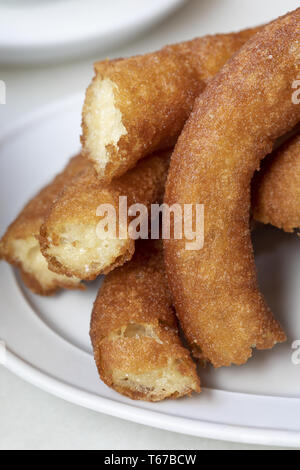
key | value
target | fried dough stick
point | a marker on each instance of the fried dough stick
(139, 105)
(234, 124)
(69, 238)
(134, 332)
(276, 188)
(20, 245)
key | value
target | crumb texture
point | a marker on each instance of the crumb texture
(103, 122)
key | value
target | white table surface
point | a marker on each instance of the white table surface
(30, 418)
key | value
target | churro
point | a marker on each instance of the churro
(234, 124)
(139, 105)
(134, 332)
(276, 188)
(20, 245)
(69, 237)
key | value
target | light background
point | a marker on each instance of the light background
(30, 418)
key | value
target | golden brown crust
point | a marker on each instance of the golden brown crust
(232, 127)
(154, 95)
(276, 188)
(83, 254)
(134, 332)
(19, 246)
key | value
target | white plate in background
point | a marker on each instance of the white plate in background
(47, 339)
(37, 31)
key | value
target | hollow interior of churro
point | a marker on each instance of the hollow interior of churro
(27, 252)
(102, 122)
(146, 377)
(78, 249)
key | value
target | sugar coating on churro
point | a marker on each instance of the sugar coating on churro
(276, 188)
(139, 105)
(69, 238)
(20, 245)
(234, 124)
(134, 332)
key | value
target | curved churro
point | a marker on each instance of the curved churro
(276, 188)
(139, 105)
(69, 238)
(134, 332)
(20, 245)
(234, 124)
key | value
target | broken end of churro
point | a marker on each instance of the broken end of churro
(102, 126)
(20, 247)
(276, 188)
(25, 254)
(145, 362)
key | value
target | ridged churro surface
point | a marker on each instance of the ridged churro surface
(69, 237)
(234, 124)
(139, 105)
(134, 332)
(276, 188)
(20, 246)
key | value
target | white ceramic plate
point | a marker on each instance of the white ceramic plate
(47, 339)
(39, 31)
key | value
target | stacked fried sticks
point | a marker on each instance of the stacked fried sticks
(223, 114)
